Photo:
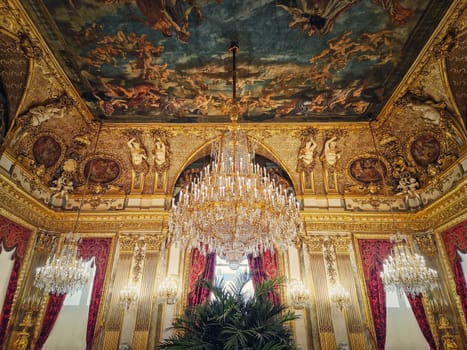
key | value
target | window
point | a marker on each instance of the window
(229, 275)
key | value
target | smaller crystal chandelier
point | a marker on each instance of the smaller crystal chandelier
(65, 271)
(130, 294)
(298, 294)
(405, 270)
(168, 290)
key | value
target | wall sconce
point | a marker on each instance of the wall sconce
(298, 294)
(169, 288)
(338, 295)
(129, 295)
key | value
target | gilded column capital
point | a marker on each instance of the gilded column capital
(426, 243)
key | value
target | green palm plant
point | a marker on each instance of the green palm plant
(231, 321)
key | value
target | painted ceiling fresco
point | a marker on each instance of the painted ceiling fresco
(299, 61)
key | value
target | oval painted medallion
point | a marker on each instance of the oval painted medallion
(368, 170)
(101, 170)
(425, 149)
(46, 151)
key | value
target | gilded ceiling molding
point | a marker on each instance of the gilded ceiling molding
(447, 214)
(25, 207)
(452, 15)
(16, 20)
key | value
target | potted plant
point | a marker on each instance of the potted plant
(230, 320)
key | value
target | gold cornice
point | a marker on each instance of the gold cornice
(24, 206)
(452, 207)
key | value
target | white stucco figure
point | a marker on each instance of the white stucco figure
(330, 151)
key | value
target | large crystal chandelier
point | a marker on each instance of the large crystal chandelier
(234, 208)
(65, 272)
(405, 270)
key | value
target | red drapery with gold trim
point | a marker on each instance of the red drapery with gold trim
(100, 249)
(418, 310)
(263, 267)
(202, 268)
(54, 306)
(373, 252)
(455, 239)
(12, 236)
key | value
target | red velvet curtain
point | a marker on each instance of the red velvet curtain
(455, 239)
(99, 248)
(54, 306)
(12, 236)
(203, 267)
(373, 253)
(418, 309)
(263, 267)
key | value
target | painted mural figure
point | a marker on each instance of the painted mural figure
(318, 16)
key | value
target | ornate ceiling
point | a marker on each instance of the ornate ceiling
(110, 105)
(167, 61)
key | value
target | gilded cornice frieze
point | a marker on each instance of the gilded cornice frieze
(360, 222)
(450, 208)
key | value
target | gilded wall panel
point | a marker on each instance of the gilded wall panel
(323, 306)
(145, 305)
